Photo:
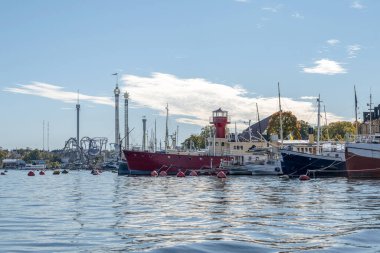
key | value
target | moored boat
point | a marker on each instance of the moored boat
(220, 147)
(363, 157)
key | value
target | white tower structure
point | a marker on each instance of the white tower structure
(117, 131)
(78, 109)
(126, 127)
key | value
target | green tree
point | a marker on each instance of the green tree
(338, 130)
(32, 155)
(289, 125)
(303, 128)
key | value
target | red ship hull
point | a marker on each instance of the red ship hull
(143, 163)
(363, 160)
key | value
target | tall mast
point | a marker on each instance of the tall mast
(319, 123)
(258, 118)
(48, 148)
(155, 135)
(279, 103)
(43, 135)
(327, 129)
(370, 113)
(356, 112)
(176, 138)
(167, 128)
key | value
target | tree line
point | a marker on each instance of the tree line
(292, 129)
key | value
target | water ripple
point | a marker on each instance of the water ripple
(79, 212)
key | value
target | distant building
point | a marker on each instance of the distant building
(370, 119)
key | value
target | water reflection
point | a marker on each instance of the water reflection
(82, 212)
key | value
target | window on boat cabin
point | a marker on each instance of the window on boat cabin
(222, 144)
(241, 147)
(216, 143)
(234, 147)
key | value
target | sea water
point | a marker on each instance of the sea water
(80, 212)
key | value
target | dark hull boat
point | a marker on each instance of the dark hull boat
(296, 163)
(143, 163)
(363, 160)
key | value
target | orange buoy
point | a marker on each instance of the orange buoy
(304, 178)
(180, 174)
(221, 174)
(163, 173)
(154, 173)
(42, 173)
(31, 174)
(193, 173)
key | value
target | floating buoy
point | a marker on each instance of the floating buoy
(56, 172)
(304, 178)
(65, 172)
(154, 173)
(180, 174)
(284, 177)
(193, 173)
(42, 173)
(163, 173)
(221, 174)
(31, 174)
(2, 173)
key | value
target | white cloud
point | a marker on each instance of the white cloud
(192, 100)
(297, 15)
(352, 50)
(325, 67)
(333, 42)
(57, 93)
(273, 9)
(308, 98)
(357, 5)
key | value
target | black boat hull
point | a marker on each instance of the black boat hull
(295, 164)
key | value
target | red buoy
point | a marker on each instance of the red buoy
(193, 173)
(154, 173)
(42, 173)
(163, 173)
(180, 174)
(304, 178)
(221, 174)
(31, 174)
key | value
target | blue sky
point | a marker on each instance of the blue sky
(195, 55)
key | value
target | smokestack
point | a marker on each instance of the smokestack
(117, 133)
(126, 128)
(144, 133)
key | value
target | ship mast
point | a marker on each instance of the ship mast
(327, 129)
(370, 113)
(356, 112)
(167, 128)
(279, 103)
(258, 118)
(319, 123)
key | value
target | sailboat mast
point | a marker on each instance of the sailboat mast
(279, 103)
(167, 128)
(258, 118)
(356, 112)
(319, 123)
(327, 129)
(370, 113)
(155, 135)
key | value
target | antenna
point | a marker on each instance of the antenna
(279, 103)
(167, 128)
(327, 129)
(319, 123)
(370, 111)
